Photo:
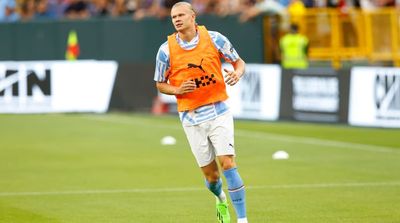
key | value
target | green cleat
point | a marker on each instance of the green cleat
(223, 212)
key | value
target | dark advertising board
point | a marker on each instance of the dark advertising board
(314, 94)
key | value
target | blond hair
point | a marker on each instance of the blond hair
(187, 4)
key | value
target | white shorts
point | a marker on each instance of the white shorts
(211, 138)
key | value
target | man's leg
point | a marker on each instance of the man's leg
(235, 186)
(221, 135)
(213, 180)
(214, 184)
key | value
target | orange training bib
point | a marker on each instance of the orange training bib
(202, 65)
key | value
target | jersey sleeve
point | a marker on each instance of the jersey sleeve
(224, 47)
(162, 63)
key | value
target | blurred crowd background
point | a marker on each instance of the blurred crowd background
(26, 10)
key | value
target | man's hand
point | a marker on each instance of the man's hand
(231, 77)
(186, 87)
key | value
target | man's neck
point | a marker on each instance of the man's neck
(187, 35)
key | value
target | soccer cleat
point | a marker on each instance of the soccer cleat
(223, 212)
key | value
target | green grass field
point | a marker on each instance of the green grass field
(112, 168)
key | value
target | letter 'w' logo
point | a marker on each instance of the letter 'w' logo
(387, 94)
(24, 82)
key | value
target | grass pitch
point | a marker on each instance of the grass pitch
(112, 168)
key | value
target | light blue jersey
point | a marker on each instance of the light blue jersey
(206, 112)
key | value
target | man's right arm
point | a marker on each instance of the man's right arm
(162, 63)
(160, 75)
(185, 87)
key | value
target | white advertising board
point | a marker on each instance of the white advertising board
(56, 86)
(257, 94)
(375, 97)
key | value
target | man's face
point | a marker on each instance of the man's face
(182, 17)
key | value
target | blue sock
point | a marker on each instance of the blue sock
(215, 187)
(236, 191)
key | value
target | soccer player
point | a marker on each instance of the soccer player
(188, 66)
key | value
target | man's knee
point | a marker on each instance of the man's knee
(212, 177)
(211, 172)
(227, 162)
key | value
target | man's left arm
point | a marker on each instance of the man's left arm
(232, 77)
(228, 52)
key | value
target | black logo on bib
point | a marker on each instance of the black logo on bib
(190, 65)
(205, 80)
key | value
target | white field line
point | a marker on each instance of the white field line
(262, 135)
(191, 189)
(317, 142)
